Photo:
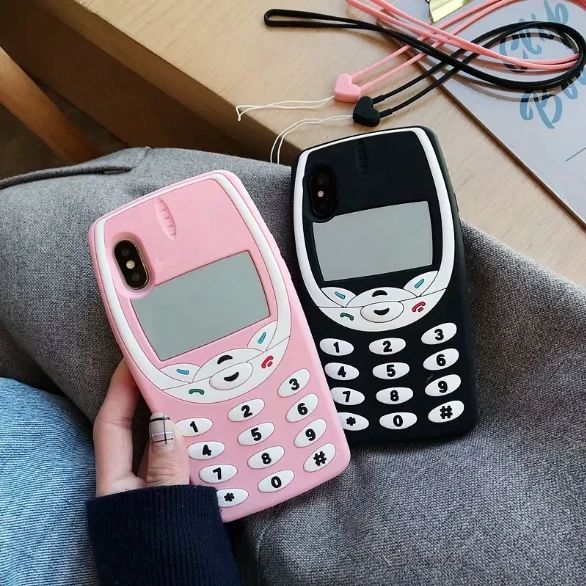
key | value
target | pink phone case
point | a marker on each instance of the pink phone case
(253, 405)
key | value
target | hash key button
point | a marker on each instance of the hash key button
(320, 458)
(446, 412)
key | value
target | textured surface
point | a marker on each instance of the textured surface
(501, 505)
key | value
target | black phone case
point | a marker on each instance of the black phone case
(374, 170)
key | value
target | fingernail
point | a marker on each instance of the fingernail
(162, 432)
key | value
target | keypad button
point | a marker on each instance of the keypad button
(380, 295)
(195, 426)
(266, 458)
(420, 283)
(255, 435)
(183, 372)
(303, 408)
(382, 312)
(390, 370)
(310, 433)
(401, 420)
(205, 450)
(231, 377)
(387, 346)
(338, 295)
(276, 481)
(262, 338)
(246, 410)
(339, 371)
(439, 334)
(222, 361)
(230, 497)
(442, 359)
(345, 396)
(335, 347)
(394, 395)
(320, 458)
(443, 385)
(446, 412)
(295, 383)
(352, 421)
(215, 474)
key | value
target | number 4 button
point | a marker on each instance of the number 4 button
(339, 371)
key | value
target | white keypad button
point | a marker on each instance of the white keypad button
(446, 412)
(276, 481)
(387, 346)
(310, 433)
(195, 426)
(353, 422)
(390, 370)
(335, 347)
(255, 435)
(183, 372)
(295, 383)
(216, 474)
(222, 361)
(231, 377)
(262, 338)
(266, 458)
(442, 359)
(339, 296)
(246, 410)
(443, 385)
(419, 284)
(230, 497)
(344, 396)
(394, 395)
(401, 420)
(205, 450)
(439, 334)
(320, 458)
(380, 295)
(339, 371)
(382, 312)
(303, 408)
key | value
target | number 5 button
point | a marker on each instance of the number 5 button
(303, 408)
(390, 370)
(339, 371)
(256, 434)
(294, 383)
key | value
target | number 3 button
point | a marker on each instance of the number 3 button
(439, 334)
(294, 383)
(339, 371)
(303, 408)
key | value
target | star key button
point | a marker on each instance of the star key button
(352, 421)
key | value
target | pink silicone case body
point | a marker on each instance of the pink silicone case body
(178, 229)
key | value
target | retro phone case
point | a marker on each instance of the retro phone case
(218, 341)
(385, 290)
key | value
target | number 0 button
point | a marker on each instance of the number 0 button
(398, 420)
(294, 383)
(255, 435)
(217, 474)
(442, 359)
(276, 482)
(246, 410)
(339, 371)
(439, 334)
(303, 408)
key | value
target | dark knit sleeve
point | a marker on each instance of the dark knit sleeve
(170, 535)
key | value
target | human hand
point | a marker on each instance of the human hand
(167, 461)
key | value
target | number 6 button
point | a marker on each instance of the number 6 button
(303, 408)
(442, 359)
(390, 370)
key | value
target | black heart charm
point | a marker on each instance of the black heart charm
(365, 112)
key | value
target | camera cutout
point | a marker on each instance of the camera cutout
(131, 265)
(322, 192)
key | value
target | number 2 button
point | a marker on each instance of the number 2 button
(339, 371)
(246, 410)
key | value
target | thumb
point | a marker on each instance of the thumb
(167, 459)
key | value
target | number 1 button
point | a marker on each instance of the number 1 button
(339, 371)
(335, 347)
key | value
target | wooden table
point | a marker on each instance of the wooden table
(169, 72)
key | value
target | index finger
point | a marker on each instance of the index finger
(113, 428)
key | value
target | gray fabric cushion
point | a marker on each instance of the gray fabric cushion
(503, 504)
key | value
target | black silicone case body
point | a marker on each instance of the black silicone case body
(373, 170)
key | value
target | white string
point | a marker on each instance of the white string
(282, 135)
(283, 105)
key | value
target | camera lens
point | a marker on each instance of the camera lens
(322, 192)
(131, 265)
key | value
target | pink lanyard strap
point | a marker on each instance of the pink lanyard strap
(347, 88)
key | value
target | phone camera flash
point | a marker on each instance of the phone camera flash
(130, 264)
